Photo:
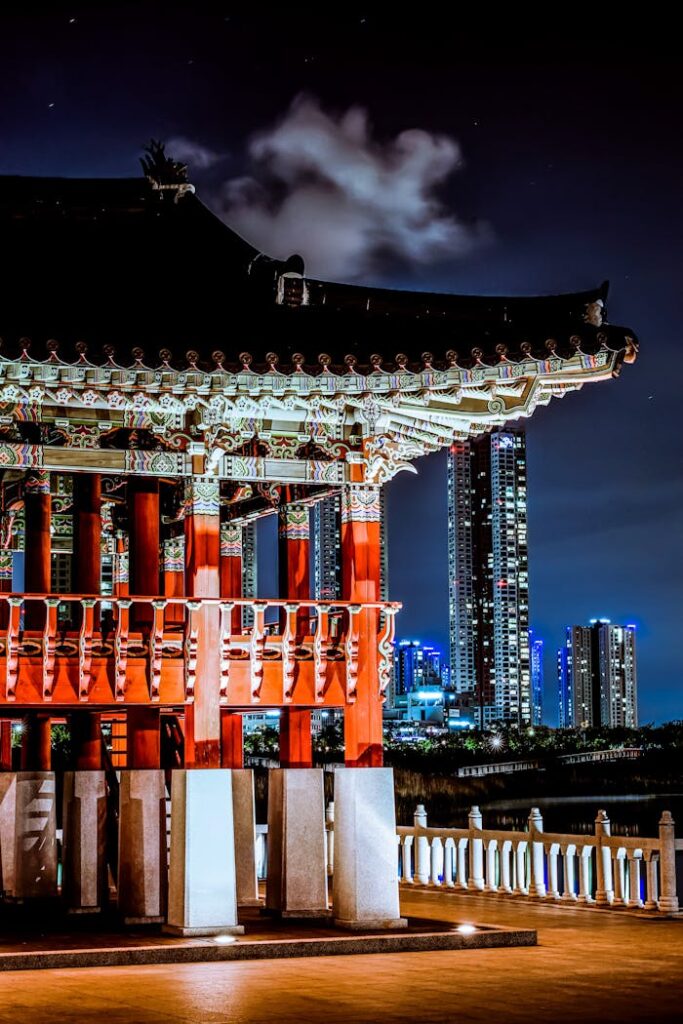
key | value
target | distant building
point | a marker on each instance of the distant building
(326, 540)
(536, 656)
(597, 676)
(488, 577)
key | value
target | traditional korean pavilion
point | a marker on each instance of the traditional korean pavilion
(163, 384)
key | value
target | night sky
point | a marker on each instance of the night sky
(545, 164)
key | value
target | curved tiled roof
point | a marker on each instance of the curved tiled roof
(121, 263)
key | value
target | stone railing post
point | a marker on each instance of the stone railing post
(476, 879)
(668, 900)
(604, 890)
(329, 828)
(423, 860)
(537, 882)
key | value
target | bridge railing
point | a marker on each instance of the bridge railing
(608, 871)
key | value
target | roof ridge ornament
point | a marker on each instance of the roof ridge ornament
(165, 174)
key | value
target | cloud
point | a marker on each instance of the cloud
(192, 153)
(322, 186)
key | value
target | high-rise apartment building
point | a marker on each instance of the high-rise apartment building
(597, 676)
(488, 577)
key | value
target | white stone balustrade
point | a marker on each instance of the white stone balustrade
(601, 869)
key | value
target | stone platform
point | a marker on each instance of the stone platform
(90, 943)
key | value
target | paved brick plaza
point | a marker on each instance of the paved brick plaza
(588, 966)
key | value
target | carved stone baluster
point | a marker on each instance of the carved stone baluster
(634, 861)
(491, 850)
(584, 875)
(620, 894)
(651, 858)
(436, 861)
(320, 643)
(505, 860)
(49, 646)
(462, 881)
(288, 652)
(553, 855)
(448, 863)
(258, 642)
(226, 631)
(121, 647)
(386, 651)
(407, 866)
(520, 868)
(352, 638)
(191, 641)
(569, 854)
(85, 647)
(12, 648)
(156, 644)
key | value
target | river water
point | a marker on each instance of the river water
(630, 815)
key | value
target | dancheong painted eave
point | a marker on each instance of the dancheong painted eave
(139, 273)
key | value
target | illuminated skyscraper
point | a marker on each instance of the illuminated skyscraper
(488, 577)
(597, 676)
(536, 655)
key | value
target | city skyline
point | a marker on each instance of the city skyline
(567, 206)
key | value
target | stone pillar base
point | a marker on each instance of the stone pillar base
(244, 816)
(372, 924)
(202, 892)
(142, 881)
(365, 850)
(172, 929)
(85, 823)
(297, 877)
(35, 840)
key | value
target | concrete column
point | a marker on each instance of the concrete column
(297, 879)
(84, 878)
(668, 900)
(244, 820)
(35, 841)
(202, 893)
(143, 870)
(8, 817)
(365, 888)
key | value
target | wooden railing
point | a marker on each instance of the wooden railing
(123, 649)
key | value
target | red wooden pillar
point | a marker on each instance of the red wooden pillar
(37, 544)
(232, 739)
(87, 557)
(5, 744)
(202, 579)
(143, 737)
(121, 575)
(143, 539)
(232, 742)
(5, 584)
(87, 518)
(296, 743)
(174, 579)
(360, 539)
(36, 743)
(231, 569)
(86, 741)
